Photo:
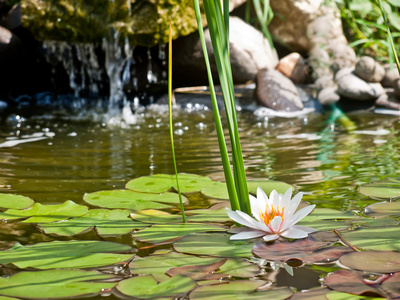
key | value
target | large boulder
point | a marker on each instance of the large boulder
(249, 51)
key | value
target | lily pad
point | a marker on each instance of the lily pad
(40, 213)
(163, 232)
(159, 183)
(385, 189)
(15, 201)
(213, 244)
(218, 190)
(208, 215)
(68, 254)
(383, 209)
(326, 219)
(372, 261)
(158, 264)
(239, 290)
(146, 287)
(153, 216)
(377, 238)
(107, 223)
(54, 284)
(305, 250)
(132, 200)
(200, 272)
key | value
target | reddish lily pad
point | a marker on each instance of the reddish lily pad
(305, 250)
(372, 261)
(358, 283)
(200, 272)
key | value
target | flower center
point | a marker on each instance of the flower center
(270, 213)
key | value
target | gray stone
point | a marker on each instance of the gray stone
(369, 70)
(324, 82)
(342, 55)
(328, 95)
(276, 91)
(387, 102)
(391, 75)
(396, 86)
(249, 51)
(353, 87)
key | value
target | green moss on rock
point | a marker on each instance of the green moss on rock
(145, 22)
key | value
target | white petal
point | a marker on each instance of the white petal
(304, 228)
(248, 221)
(249, 234)
(293, 233)
(270, 237)
(262, 197)
(235, 216)
(294, 203)
(300, 214)
(286, 198)
(274, 199)
(256, 207)
(275, 224)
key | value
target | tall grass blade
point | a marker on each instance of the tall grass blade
(171, 131)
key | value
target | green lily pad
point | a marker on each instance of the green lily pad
(40, 213)
(372, 261)
(218, 190)
(345, 296)
(54, 284)
(15, 201)
(374, 222)
(159, 183)
(327, 219)
(153, 216)
(386, 189)
(163, 232)
(158, 264)
(239, 290)
(377, 238)
(146, 287)
(383, 209)
(132, 200)
(213, 244)
(208, 215)
(107, 223)
(68, 254)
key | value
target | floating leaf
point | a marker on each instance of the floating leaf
(214, 244)
(15, 201)
(346, 296)
(158, 264)
(305, 250)
(132, 200)
(40, 213)
(377, 238)
(68, 254)
(163, 232)
(146, 287)
(383, 209)
(219, 191)
(314, 294)
(326, 219)
(199, 272)
(239, 290)
(208, 215)
(153, 216)
(386, 189)
(355, 282)
(159, 183)
(372, 261)
(374, 222)
(54, 284)
(107, 223)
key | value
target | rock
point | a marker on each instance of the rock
(353, 87)
(391, 75)
(293, 67)
(387, 102)
(369, 70)
(342, 55)
(396, 86)
(249, 50)
(328, 96)
(276, 91)
(324, 82)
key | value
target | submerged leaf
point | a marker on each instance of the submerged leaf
(54, 284)
(146, 287)
(40, 213)
(132, 200)
(15, 201)
(107, 223)
(68, 254)
(305, 250)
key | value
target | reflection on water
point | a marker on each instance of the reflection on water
(54, 160)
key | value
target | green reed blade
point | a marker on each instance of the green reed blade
(170, 120)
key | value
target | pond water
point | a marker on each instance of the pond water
(54, 159)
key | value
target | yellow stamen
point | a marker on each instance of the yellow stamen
(267, 217)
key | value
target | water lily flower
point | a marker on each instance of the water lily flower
(274, 216)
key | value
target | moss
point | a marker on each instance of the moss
(146, 23)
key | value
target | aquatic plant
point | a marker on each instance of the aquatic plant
(275, 216)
